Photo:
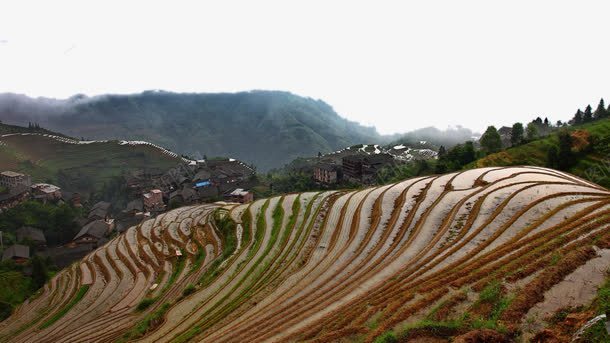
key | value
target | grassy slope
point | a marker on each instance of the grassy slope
(535, 153)
(78, 167)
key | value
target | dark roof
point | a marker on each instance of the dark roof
(27, 232)
(188, 194)
(67, 195)
(326, 166)
(16, 250)
(96, 228)
(99, 212)
(378, 158)
(202, 175)
(135, 205)
(102, 204)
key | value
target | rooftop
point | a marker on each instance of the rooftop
(45, 187)
(11, 173)
(239, 192)
(27, 232)
(16, 250)
(96, 228)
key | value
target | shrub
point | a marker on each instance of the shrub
(190, 289)
(145, 303)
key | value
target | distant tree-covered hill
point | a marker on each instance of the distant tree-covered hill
(266, 128)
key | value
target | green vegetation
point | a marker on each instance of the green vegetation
(437, 328)
(145, 303)
(581, 150)
(56, 221)
(388, 337)
(596, 333)
(79, 295)
(190, 289)
(148, 323)
(491, 141)
(227, 228)
(16, 286)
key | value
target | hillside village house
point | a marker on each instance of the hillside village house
(12, 180)
(17, 252)
(94, 232)
(30, 234)
(45, 192)
(153, 200)
(99, 211)
(364, 168)
(325, 173)
(240, 195)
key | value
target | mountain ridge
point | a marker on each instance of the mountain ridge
(246, 125)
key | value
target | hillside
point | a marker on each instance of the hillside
(480, 253)
(80, 166)
(590, 143)
(246, 125)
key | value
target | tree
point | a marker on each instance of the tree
(39, 271)
(491, 140)
(516, 135)
(588, 116)
(600, 112)
(442, 152)
(469, 154)
(538, 121)
(531, 131)
(565, 154)
(546, 121)
(559, 123)
(552, 158)
(578, 117)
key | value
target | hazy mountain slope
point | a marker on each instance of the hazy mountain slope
(266, 128)
(433, 256)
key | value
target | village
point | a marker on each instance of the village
(196, 182)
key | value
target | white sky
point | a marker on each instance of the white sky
(397, 65)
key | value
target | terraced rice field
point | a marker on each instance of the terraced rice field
(330, 266)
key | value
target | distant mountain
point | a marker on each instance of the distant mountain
(266, 128)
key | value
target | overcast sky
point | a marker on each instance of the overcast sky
(397, 65)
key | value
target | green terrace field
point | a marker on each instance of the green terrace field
(592, 161)
(85, 168)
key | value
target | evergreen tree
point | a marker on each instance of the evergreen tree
(39, 271)
(578, 117)
(552, 158)
(559, 123)
(588, 116)
(565, 154)
(600, 112)
(516, 135)
(442, 152)
(468, 154)
(538, 121)
(491, 140)
(531, 131)
(546, 121)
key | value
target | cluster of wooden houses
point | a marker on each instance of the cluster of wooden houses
(355, 168)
